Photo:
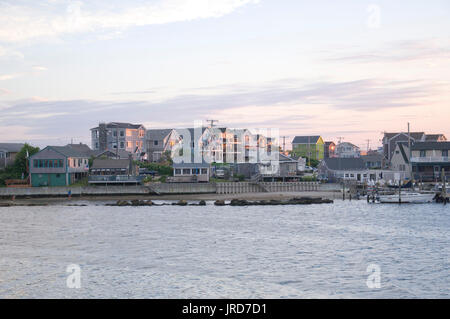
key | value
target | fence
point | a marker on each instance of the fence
(269, 187)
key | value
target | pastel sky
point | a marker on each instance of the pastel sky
(344, 68)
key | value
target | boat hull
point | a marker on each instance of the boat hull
(415, 198)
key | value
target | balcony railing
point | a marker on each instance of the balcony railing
(430, 159)
(115, 179)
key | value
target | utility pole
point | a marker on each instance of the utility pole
(444, 187)
(410, 155)
(284, 144)
(211, 122)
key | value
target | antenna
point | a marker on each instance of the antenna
(340, 138)
(211, 122)
(368, 145)
(284, 143)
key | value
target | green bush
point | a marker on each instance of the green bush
(19, 166)
(161, 169)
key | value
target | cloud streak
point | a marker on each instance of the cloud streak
(19, 22)
(279, 104)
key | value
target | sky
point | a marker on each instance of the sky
(344, 69)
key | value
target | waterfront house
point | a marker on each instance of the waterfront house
(312, 147)
(390, 140)
(343, 169)
(428, 159)
(400, 161)
(347, 150)
(8, 152)
(58, 166)
(116, 136)
(329, 150)
(159, 141)
(114, 171)
(373, 161)
(191, 173)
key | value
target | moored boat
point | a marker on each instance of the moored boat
(408, 197)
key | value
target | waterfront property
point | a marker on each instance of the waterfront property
(8, 152)
(373, 161)
(117, 136)
(428, 159)
(400, 159)
(343, 169)
(57, 166)
(312, 147)
(347, 150)
(114, 171)
(191, 172)
(159, 141)
(329, 150)
(390, 140)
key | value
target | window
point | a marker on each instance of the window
(60, 163)
(122, 145)
(122, 133)
(35, 163)
(177, 171)
(45, 163)
(155, 143)
(195, 171)
(114, 133)
(445, 153)
(423, 153)
(204, 171)
(187, 171)
(50, 163)
(96, 145)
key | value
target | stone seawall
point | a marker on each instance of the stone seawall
(161, 189)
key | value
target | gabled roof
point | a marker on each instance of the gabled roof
(435, 137)
(81, 148)
(345, 164)
(427, 146)
(158, 134)
(11, 147)
(67, 151)
(403, 147)
(306, 139)
(120, 125)
(110, 163)
(414, 135)
(284, 158)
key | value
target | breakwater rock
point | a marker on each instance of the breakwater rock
(292, 201)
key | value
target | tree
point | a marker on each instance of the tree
(20, 163)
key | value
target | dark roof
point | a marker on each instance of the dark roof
(329, 143)
(345, 164)
(372, 158)
(111, 153)
(11, 147)
(434, 137)
(403, 151)
(305, 140)
(120, 125)
(414, 135)
(110, 163)
(424, 146)
(67, 151)
(284, 158)
(158, 134)
(82, 148)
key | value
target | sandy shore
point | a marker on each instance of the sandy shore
(187, 197)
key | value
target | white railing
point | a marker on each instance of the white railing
(430, 159)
